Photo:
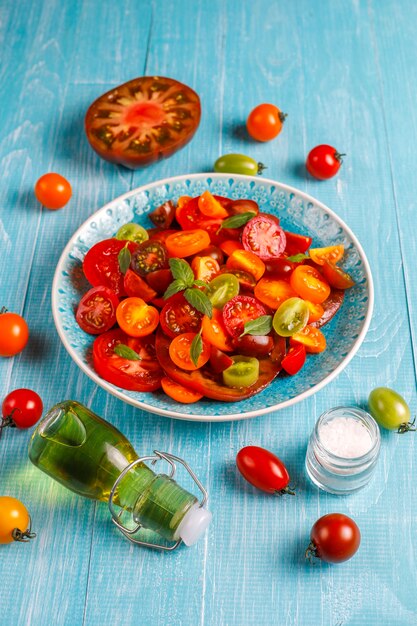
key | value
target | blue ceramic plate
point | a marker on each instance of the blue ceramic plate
(298, 212)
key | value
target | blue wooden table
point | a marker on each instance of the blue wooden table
(345, 72)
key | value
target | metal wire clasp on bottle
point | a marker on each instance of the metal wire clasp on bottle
(157, 456)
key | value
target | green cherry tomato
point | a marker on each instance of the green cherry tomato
(243, 373)
(290, 317)
(222, 289)
(238, 164)
(390, 409)
(132, 232)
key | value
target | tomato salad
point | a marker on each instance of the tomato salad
(214, 301)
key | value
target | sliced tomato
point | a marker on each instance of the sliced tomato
(137, 375)
(219, 361)
(273, 292)
(311, 338)
(238, 311)
(331, 307)
(187, 242)
(294, 359)
(336, 277)
(263, 236)
(136, 318)
(182, 200)
(204, 268)
(332, 254)
(178, 316)
(149, 256)
(135, 286)
(180, 352)
(189, 216)
(208, 383)
(143, 120)
(214, 331)
(101, 264)
(246, 281)
(246, 261)
(230, 245)
(161, 235)
(159, 280)
(210, 207)
(96, 311)
(309, 284)
(296, 244)
(315, 311)
(163, 215)
(178, 392)
(254, 345)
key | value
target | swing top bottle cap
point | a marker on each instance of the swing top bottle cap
(193, 525)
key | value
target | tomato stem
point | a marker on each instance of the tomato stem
(25, 536)
(311, 552)
(287, 490)
(261, 168)
(407, 426)
(282, 116)
(7, 421)
(338, 156)
(3, 310)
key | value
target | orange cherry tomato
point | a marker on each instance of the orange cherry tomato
(215, 333)
(246, 261)
(179, 392)
(309, 284)
(180, 352)
(211, 207)
(136, 318)
(273, 292)
(336, 277)
(53, 191)
(311, 338)
(187, 242)
(230, 245)
(204, 268)
(14, 333)
(333, 254)
(183, 200)
(265, 122)
(315, 311)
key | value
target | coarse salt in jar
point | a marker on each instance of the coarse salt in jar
(343, 450)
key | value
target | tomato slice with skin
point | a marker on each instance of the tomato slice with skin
(96, 312)
(332, 254)
(178, 392)
(309, 284)
(149, 256)
(210, 207)
(187, 242)
(296, 244)
(204, 268)
(279, 268)
(291, 317)
(208, 383)
(141, 375)
(163, 215)
(230, 245)
(215, 252)
(331, 307)
(135, 286)
(190, 217)
(254, 345)
(136, 318)
(215, 333)
(143, 120)
(273, 292)
(221, 289)
(180, 352)
(246, 261)
(294, 359)
(178, 316)
(238, 311)
(243, 372)
(246, 281)
(312, 339)
(219, 361)
(101, 264)
(161, 235)
(263, 236)
(243, 205)
(159, 280)
(336, 277)
(315, 311)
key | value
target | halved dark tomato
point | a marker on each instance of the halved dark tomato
(209, 384)
(149, 256)
(331, 307)
(296, 244)
(215, 253)
(178, 316)
(101, 264)
(279, 268)
(246, 280)
(263, 236)
(254, 345)
(238, 311)
(143, 120)
(219, 361)
(159, 280)
(336, 277)
(243, 206)
(143, 374)
(96, 311)
(163, 215)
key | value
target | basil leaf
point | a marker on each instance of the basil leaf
(126, 352)
(124, 257)
(199, 283)
(235, 221)
(196, 348)
(174, 287)
(297, 258)
(261, 326)
(199, 301)
(182, 271)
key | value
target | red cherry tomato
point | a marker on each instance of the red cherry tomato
(159, 280)
(254, 345)
(21, 408)
(324, 162)
(238, 311)
(219, 361)
(265, 122)
(137, 287)
(148, 257)
(294, 359)
(263, 470)
(334, 538)
(163, 215)
(296, 244)
(53, 191)
(263, 236)
(178, 316)
(96, 311)
(336, 277)
(14, 333)
(101, 264)
(190, 217)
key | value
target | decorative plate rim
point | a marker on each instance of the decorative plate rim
(235, 416)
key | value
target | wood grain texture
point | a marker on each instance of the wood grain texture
(345, 72)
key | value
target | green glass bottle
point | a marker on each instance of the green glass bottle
(86, 454)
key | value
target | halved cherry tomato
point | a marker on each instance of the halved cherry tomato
(96, 311)
(315, 311)
(296, 244)
(159, 280)
(179, 392)
(243, 206)
(230, 245)
(182, 200)
(214, 332)
(180, 352)
(149, 256)
(246, 281)
(333, 254)
(163, 215)
(204, 268)
(309, 284)
(254, 345)
(143, 120)
(214, 252)
(279, 267)
(143, 374)
(290, 317)
(157, 234)
(331, 307)
(238, 311)
(219, 361)
(264, 237)
(101, 264)
(294, 359)
(136, 287)
(312, 339)
(189, 216)
(336, 277)
(273, 292)
(246, 261)
(222, 289)
(178, 316)
(187, 242)
(136, 318)
(210, 207)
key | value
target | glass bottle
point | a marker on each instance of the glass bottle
(86, 454)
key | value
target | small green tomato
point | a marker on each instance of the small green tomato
(390, 410)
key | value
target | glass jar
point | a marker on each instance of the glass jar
(337, 474)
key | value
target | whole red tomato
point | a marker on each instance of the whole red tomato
(324, 162)
(334, 538)
(21, 408)
(263, 470)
